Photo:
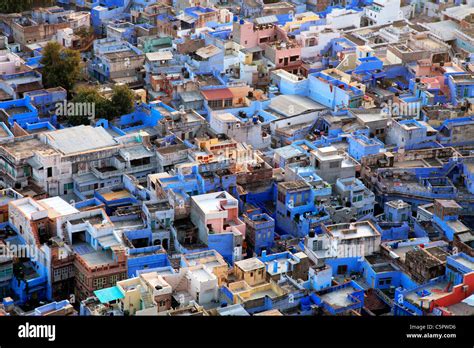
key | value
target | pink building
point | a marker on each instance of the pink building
(282, 51)
(215, 215)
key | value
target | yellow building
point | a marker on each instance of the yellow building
(252, 271)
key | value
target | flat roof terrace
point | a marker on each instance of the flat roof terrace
(463, 78)
(91, 256)
(115, 195)
(436, 290)
(465, 262)
(353, 230)
(24, 149)
(18, 110)
(131, 223)
(172, 149)
(121, 55)
(339, 298)
(461, 308)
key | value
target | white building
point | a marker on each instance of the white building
(66, 37)
(331, 165)
(249, 132)
(9, 62)
(356, 239)
(342, 18)
(316, 38)
(383, 12)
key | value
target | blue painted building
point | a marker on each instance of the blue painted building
(361, 146)
(260, 231)
(397, 211)
(297, 212)
(332, 92)
(146, 258)
(393, 230)
(461, 86)
(411, 134)
(21, 111)
(45, 99)
(457, 266)
(340, 299)
(354, 194)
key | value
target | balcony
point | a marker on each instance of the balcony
(109, 172)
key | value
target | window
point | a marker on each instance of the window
(298, 199)
(228, 103)
(50, 172)
(317, 245)
(213, 104)
(114, 278)
(342, 269)
(281, 197)
(99, 283)
(68, 187)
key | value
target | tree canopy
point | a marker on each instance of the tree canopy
(15, 6)
(122, 100)
(120, 103)
(62, 66)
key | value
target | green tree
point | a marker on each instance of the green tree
(82, 95)
(120, 103)
(62, 66)
(15, 6)
(102, 107)
(123, 100)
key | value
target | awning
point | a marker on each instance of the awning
(109, 294)
(217, 94)
(33, 162)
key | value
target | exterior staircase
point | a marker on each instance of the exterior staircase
(147, 300)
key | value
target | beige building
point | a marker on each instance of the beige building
(210, 259)
(252, 271)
